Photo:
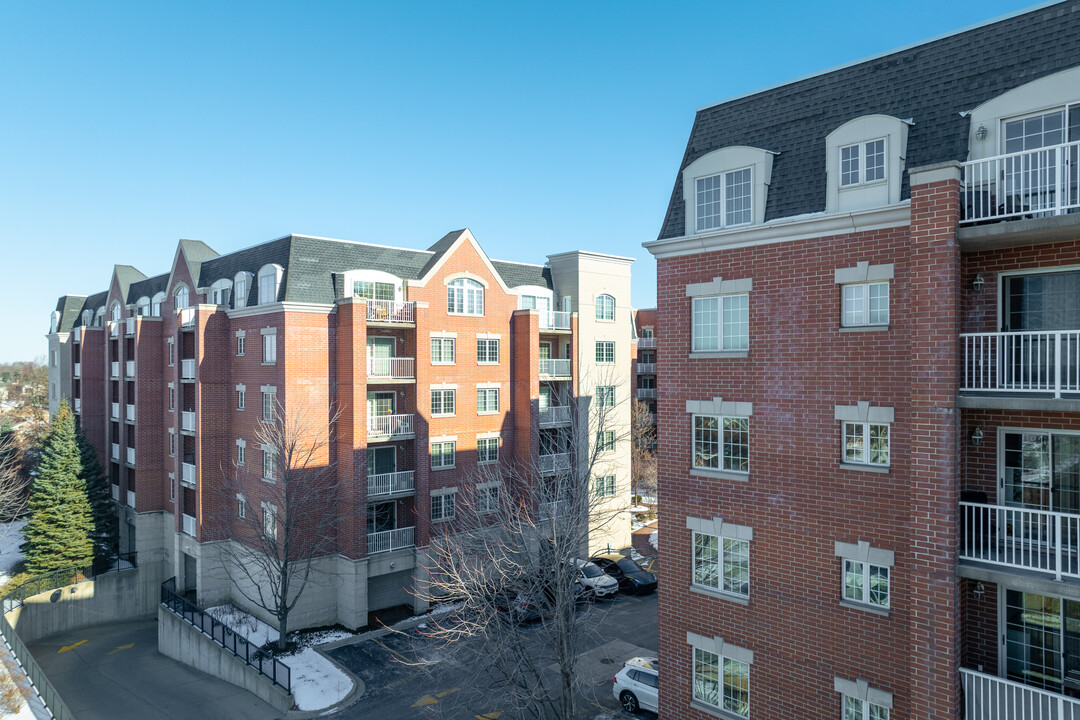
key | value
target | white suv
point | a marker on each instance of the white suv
(636, 684)
(595, 580)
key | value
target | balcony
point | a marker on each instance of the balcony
(391, 311)
(646, 343)
(114, 370)
(131, 456)
(131, 499)
(115, 452)
(992, 698)
(1041, 541)
(555, 321)
(187, 474)
(1034, 183)
(116, 493)
(555, 416)
(129, 326)
(129, 413)
(189, 525)
(76, 335)
(129, 369)
(1042, 362)
(78, 370)
(390, 426)
(114, 329)
(646, 368)
(392, 368)
(554, 368)
(390, 483)
(114, 413)
(646, 393)
(554, 463)
(387, 540)
(187, 318)
(187, 421)
(78, 405)
(187, 369)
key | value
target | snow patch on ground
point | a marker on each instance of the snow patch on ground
(11, 538)
(640, 509)
(316, 682)
(652, 539)
(440, 609)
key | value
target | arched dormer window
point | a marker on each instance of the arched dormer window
(269, 282)
(241, 288)
(155, 304)
(221, 291)
(464, 297)
(865, 163)
(87, 318)
(727, 188)
(54, 321)
(181, 297)
(605, 307)
(99, 317)
(115, 313)
(142, 306)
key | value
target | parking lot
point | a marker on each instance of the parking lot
(410, 676)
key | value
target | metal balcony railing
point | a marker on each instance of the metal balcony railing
(646, 393)
(987, 697)
(1039, 540)
(1033, 183)
(129, 413)
(115, 454)
(130, 455)
(187, 317)
(646, 343)
(189, 525)
(114, 370)
(387, 540)
(131, 498)
(555, 416)
(555, 368)
(393, 368)
(555, 320)
(187, 474)
(114, 413)
(129, 326)
(129, 369)
(554, 463)
(391, 311)
(114, 329)
(78, 370)
(646, 368)
(1041, 361)
(390, 425)
(390, 483)
(187, 420)
(187, 369)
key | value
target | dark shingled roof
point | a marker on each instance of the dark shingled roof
(196, 252)
(69, 307)
(931, 83)
(439, 249)
(147, 288)
(93, 302)
(126, 275)
(518, 274)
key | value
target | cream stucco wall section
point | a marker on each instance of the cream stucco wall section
(583, 276)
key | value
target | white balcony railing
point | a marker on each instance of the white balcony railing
(388, 540)
(555, 368)
(114, 329)
(114, 370)
(130, 456)
(78, 370)
(646, 343)
(129, 369)
(187, 474)
(554, 463)
(187, 420)
(189, 525)
(78, 405)
(115, 412)
(131, 498)
(129, 413)
(187, 369)
(115, 454)
(76, 335)
(992, 698)
(555, 416)
(116, 493)
(390, 483)
(396, 368)
(187, 317)
(390, 425)
(1042, 361)
(556, 320)
(646, 368)
(129, 326)
(1034, 183)
(646, 393)
(392, 311)
(1038, 540)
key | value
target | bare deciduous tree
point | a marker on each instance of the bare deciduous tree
(13, 482)
(508, 557)
(285, 514)
(643, 452)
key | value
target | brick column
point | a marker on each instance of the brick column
(351, 401)
(523, 350)
(935, 458)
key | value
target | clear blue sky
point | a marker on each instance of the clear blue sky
(543, 127)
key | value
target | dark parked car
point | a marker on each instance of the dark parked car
(632, 578)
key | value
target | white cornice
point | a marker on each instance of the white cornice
(289, 307)
(785, 230)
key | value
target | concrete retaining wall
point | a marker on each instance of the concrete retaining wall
(179, 640)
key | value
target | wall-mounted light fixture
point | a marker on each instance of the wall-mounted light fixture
(981, 133)
(977, 283)
(977, 437)
(979, 590)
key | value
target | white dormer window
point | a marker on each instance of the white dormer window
(727, 188)
(142, 307)
(862, 163)
(88, 318)
(54, 321)
(373, 290)
(181, 298)
(220, 292)
(269, 279)
(241, 288)
(155, 304)
(99, 317)
(725, 200)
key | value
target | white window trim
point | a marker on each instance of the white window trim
(719, 287)
(717, 407)
(498, 448)
(498, 349)
(614, 354)
(721, 530)
(443, 492)
(863, 552)
(442, 390)
(464, 289)
(861, 690)
(724, 651)
(431, 454)
(498, 398)
(866, 414)
(442, 338)
(597, 307)
(862, 181)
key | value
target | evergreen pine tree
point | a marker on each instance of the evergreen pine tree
(58, 533)
(102, 509)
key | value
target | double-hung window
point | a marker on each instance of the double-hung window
(487, 400)
(270, 512)
(241, 397)
(605, 351)
(487, 450)
(269, 462)
(866, 443)
(866, 304)
(241, 452)
(605, 486)
(721, 323)
(442, 403)
(442, 351)
(269, 348)
(725, 200)
(373, 290)
(865, 574)
(487, 497)
(241, 342)
(241, 506)
(856, 709)
(722, 443)
(721, 556)
(861, 701)
(862, 163)
(442, 454)
(605, 441)
(605, 396)
(443, 505)
(487, 351)
(721, 674)
(464, 297)
(269, 411)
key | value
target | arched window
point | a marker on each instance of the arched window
(87, 318)
(605, 307)
(242, 286)
(54, 321)
(155, 304)
(269, 279)
(114, 314)
(220, 291)
(142, 306)
(464, 297)
(99, 317)
(181, 297)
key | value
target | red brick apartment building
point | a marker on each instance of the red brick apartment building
(438, 361)
(869, 443)
(645, 360)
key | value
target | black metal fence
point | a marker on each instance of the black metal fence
(59, 578)
(278, 672)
